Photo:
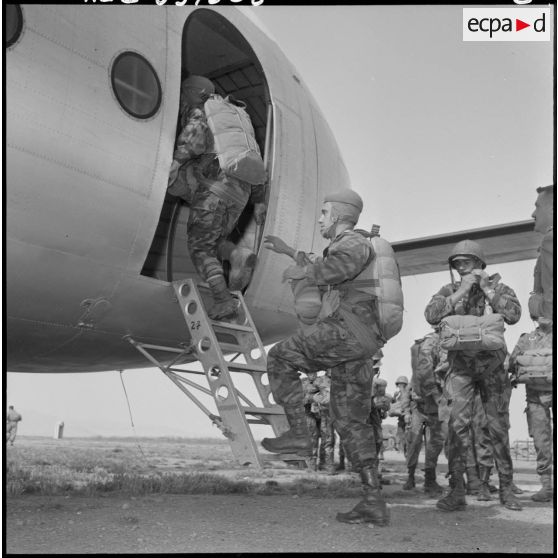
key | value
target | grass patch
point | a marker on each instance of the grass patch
(49, 467)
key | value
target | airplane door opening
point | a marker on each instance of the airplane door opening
(214, 48)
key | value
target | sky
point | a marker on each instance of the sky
(438, 135)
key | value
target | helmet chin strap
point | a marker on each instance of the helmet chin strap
(330, 231)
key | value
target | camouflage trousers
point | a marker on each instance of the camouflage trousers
(468, 375)
(213, 216)
(539, 422)
(401, 436)
(479, 450)
(376, 422)
(434, 441)
(329, 344)
(313, 423)
(11, 431)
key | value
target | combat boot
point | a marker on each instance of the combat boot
(242, 262)
(431, 487)
(516, 489)
(410, 482)
(484, 490)
(507, 497)
(473, 481)
(546, 493)
(225, 305)
(455, 500)
(295, 440)
(372, 508)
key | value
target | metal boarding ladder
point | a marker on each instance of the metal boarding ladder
(211, 340)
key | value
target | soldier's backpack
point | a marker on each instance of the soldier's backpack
(234, 139)
(423, 380)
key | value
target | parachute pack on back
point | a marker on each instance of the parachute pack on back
(381, 278)
(234, 139)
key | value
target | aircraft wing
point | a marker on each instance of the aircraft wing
(509, 242)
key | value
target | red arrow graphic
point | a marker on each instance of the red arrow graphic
(519, 25)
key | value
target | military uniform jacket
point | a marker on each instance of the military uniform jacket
(541, 302)
(348, 254)
(504, 302)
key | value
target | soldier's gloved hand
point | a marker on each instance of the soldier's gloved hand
(407, 419)
(259, 213)
(294, 272)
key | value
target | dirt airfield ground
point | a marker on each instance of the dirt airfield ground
(45, 515)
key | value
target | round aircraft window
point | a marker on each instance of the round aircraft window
(136, 85)
(13, 24)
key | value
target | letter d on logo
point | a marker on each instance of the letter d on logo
(542, 21)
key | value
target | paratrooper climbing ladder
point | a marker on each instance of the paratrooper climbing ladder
(211, 340)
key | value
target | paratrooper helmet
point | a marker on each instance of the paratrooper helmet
(467, 248)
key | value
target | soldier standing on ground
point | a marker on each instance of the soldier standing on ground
(312, 417)
(12, 418)
(327, 433)
(381, 402)
(343, 339)
(541, 309)
(469, 370)
(400, 400)
(421, 412)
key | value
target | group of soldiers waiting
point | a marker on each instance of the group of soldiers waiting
(472, 388)
(461, 396)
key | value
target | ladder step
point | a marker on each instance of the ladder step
(263, 410)
(245, 367)
(235, 327)
(230, 347)
(282, 457)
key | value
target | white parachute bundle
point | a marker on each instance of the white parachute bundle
(386, 282)
(234, 140)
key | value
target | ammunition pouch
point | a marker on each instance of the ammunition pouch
(472, 333)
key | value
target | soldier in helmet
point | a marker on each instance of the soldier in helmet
(343, 339)
(398, 402)
(473, 372)
(381, 402)
(216, 201)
